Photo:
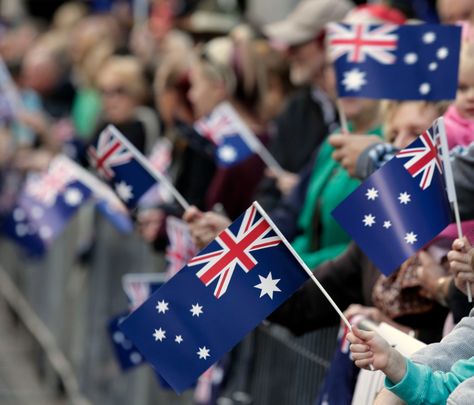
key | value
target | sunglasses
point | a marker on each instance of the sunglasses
(114, 91)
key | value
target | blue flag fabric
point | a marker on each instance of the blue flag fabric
(401, 207)
(234, 141)
(46, 204)
(122, 165)
(212, 303)
(126, 353)
(408, 62)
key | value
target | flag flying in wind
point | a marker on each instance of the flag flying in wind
(210, 305)
(122, 165)
(402, 206)
(46, 204)
(408, 62)
(235, 142)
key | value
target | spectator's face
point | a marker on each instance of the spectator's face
(306, 62)
(408, 121)
(205, 94)
(117, 101)
(359, 108)
(465, 94)
(451, 11)
(39, 72)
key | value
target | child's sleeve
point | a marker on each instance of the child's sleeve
(421, 385)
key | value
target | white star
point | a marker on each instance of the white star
(442, 53)
(159, 334)
(124, 191)
(424, 88)
(267, 285)
(73, 197)
(429, 37)
(19, 214)
(45, 232)
(410, 238)
(21, 229)
(37, 212)
(227, 153)
(387, 224)
(369, 220)
(118, 337)
(372, 193)
(196, 309)
(404, 198)
(354, 79)
(203, 352)
(162, 306)
(410, 58)
(433, 66)
(178, 339)
(135, 357)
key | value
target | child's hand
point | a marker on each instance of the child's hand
(369, 348)
(461, 263)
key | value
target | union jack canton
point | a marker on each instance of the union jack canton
(191, 321)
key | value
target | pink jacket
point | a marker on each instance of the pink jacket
(459, 130)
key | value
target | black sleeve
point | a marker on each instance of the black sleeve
(308, 309)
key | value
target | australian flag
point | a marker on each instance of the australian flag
(402, 206)
(181, 248)
(234, 141)
(46, 204)
(408, 62)
(211, 304)
(139, 286)
(122, 165)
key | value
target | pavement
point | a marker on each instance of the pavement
(20, 381)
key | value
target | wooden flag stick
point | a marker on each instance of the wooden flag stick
(150, 169)
(302, 264)
(448, 175)
(342, 117)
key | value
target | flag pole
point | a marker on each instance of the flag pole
(448, 175)
(150, 169)
(302, 264)
(342, 117)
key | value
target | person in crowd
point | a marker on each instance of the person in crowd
(452, 11)
(123, 88)
(412, 381)
(310, 114)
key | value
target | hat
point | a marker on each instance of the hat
(375, 14)
(306, 21)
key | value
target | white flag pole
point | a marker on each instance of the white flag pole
(448, 175)
(251, 139)
(302, 263)
(342, 117)
(150, 169)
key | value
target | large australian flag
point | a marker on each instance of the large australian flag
(407, 62)
(45, 205)
(212, 303)
(402, 206)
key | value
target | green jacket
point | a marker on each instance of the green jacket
(422, 385)
(321, 236)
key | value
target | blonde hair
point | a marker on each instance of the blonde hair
(390, 107)
(128, 70)
(466, 57)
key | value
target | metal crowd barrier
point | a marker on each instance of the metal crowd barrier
(73, 300)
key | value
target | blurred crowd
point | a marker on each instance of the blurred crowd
(154, 77)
